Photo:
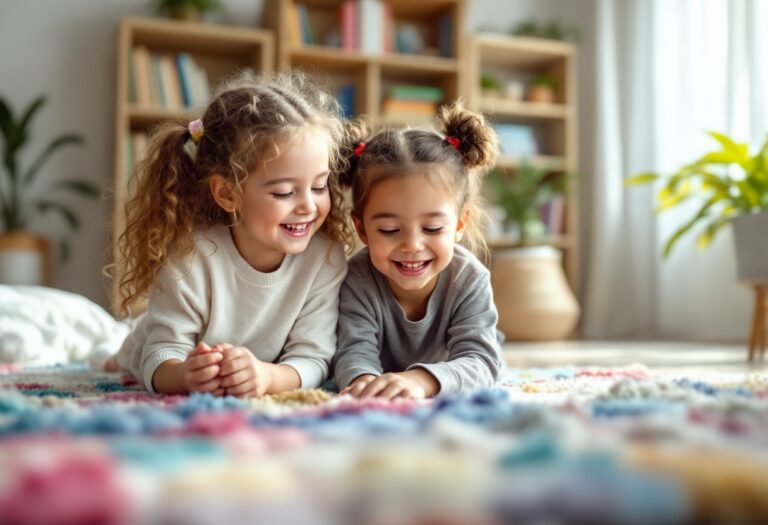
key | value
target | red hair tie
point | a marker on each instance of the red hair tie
(359, 149)
(453, 141)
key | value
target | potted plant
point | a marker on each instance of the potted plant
(732, 186)
(542, 89)
(489, 85)
(191, 10)
(24, 197)
(531, 292)
(554, 30)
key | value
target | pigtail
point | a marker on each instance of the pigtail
(471, 135)
(158, 218)
(357, 133)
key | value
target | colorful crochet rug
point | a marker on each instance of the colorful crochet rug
(566, 445)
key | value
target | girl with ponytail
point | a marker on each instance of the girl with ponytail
(235, 234)
(416, 310)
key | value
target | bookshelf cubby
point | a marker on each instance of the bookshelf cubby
(214, 51)
(518, 60)
(414, 44)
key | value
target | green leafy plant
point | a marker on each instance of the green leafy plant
(522, 194)
(23, 196)
(544, 80)
(729, 180)
(553, 30)
(487, 82)
(174, 6)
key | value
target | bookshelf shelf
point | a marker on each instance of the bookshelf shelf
(330, 39)
(552, 125)
(516, 108)
(539, 161)
(214, 51)
(563, 242)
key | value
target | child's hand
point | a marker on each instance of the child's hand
(242, 374)
(201, 369)
(387, 386)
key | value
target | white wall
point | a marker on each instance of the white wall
(67, 51)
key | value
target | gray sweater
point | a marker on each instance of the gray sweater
(455, 340)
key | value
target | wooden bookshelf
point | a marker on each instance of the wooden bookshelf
(554, 123)
(372, 74)
(217, 51)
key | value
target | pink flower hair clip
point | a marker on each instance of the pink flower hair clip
(196, 130)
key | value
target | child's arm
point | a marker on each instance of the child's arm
(357, 358)
(198, 373)
(416, 383)
(311, 343)
(474, 354)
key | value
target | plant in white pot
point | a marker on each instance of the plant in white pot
(531, 292)
(24, 197)
(732, 186)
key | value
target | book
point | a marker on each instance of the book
(409, 106)
(142, 71)
(445, 35)
(348, 24)
(346, 97)
(184, 71)
(425, 93)
(370, 34)
(305, 27)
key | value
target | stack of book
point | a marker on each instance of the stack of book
(166, 81)
(411, 104)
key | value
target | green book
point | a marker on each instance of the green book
(423, 93)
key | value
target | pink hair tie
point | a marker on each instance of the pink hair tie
(453, 141)
(359, 149)
(196, 130)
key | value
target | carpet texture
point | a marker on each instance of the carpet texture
(567, 445)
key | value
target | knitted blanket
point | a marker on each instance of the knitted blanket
(567, 445)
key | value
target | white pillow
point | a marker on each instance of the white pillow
(44, 326)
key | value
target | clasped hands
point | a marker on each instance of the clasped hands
(226, 370)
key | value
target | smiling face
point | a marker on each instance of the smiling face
(410, 227)
(284, 203)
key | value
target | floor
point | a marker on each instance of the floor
(658, 355)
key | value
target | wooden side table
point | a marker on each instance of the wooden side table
(758, 333)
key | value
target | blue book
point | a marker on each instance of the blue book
(182, 65)
(346, 97)
(445, 35)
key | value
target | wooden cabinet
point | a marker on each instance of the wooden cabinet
(415, 44)
(165, 70)
(515, 64)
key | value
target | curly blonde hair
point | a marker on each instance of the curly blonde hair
(249, 121)
(456, 167)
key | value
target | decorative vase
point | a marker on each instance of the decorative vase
(541, 93)
(750, 233)
(24, 259)
(532, 295)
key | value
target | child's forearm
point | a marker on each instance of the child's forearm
(283, 377)
(169, 377)
(425, 379)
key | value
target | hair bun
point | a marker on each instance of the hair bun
(479, 145)
(356, 131)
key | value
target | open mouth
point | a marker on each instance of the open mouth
(297, 229)
(412, 268)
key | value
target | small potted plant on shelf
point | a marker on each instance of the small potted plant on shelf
(542, 89)
(190, 10)
(24, 197)
(489, 85)
(529, 284)
(553, 30)
(732, 187)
